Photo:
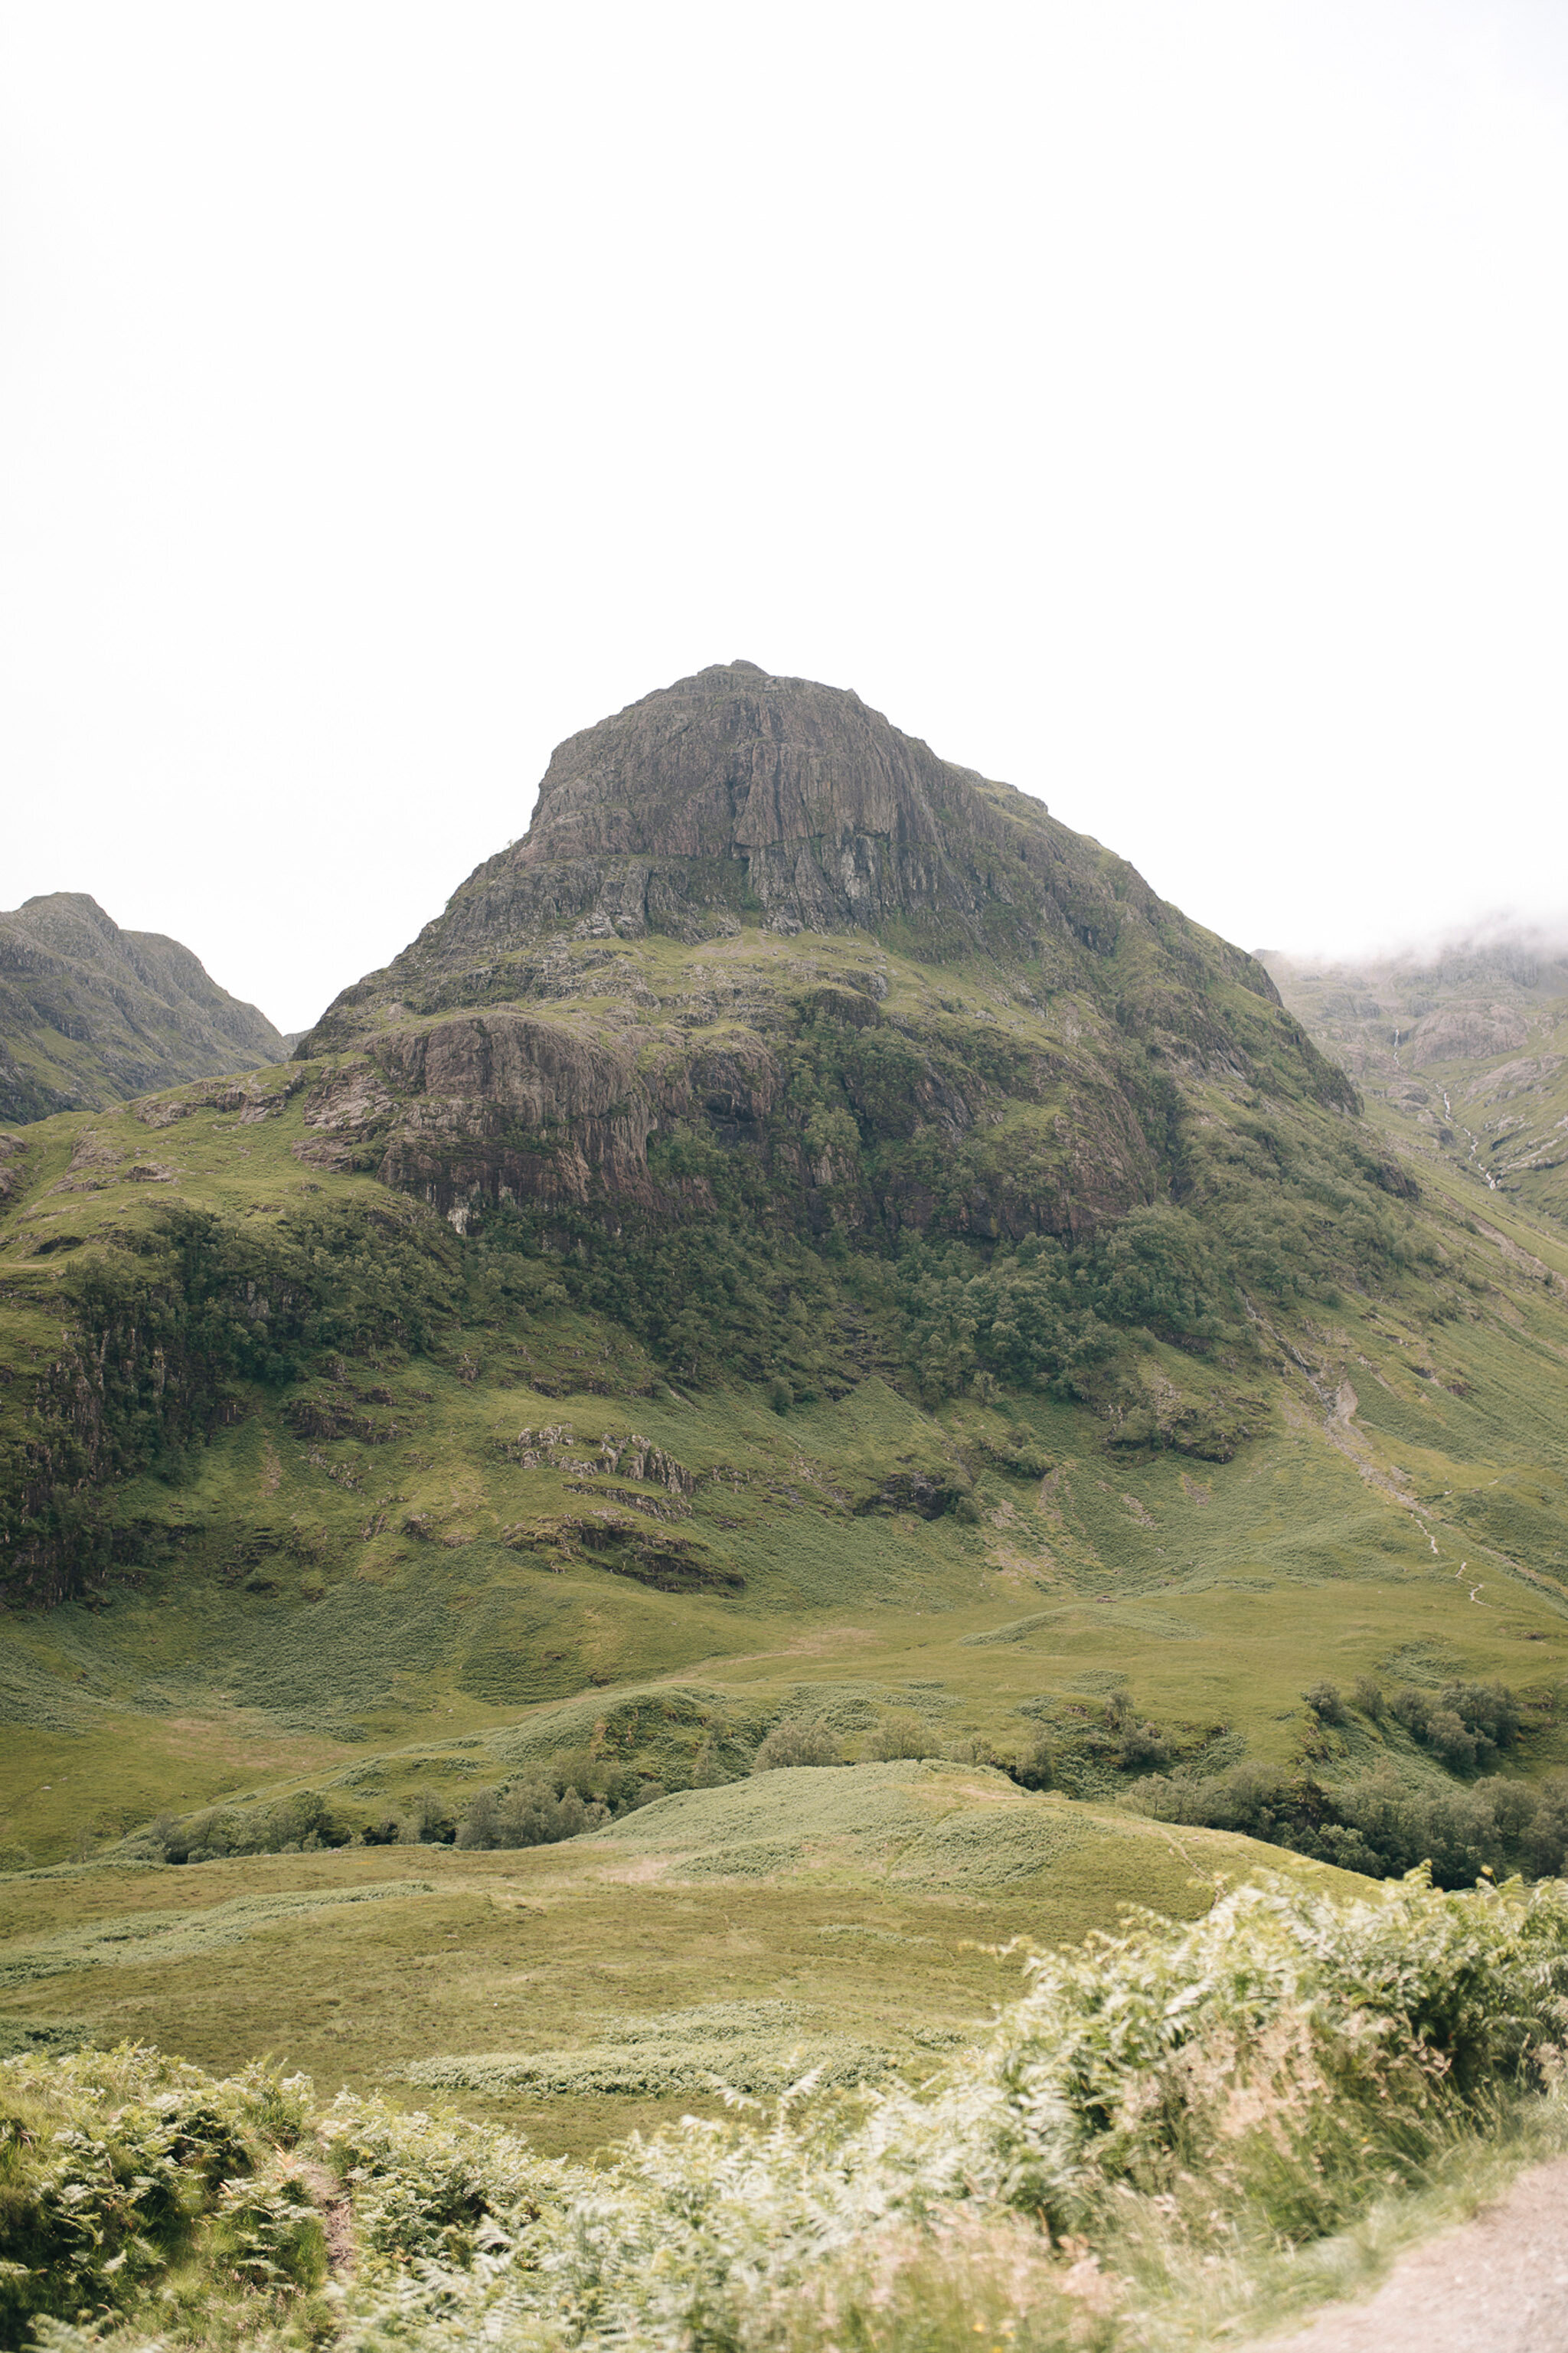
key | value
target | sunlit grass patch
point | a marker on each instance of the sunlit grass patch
(746, 2046)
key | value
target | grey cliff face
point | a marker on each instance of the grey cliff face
(735, 793)
(734, 790)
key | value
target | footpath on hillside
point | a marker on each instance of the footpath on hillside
(1498, 2285)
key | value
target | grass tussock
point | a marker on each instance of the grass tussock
(1171, 2131)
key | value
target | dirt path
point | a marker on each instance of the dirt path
(1498, 2285)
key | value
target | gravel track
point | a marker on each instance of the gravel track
(1498, 2285)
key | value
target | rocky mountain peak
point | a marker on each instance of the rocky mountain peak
(735, 790)
(738, 797)
(738, 800)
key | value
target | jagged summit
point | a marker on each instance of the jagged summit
(735, 799)
(716, 870)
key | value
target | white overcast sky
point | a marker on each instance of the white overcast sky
(1160, 403)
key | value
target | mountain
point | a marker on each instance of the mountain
(741, 865)
(801, 1233)
(90, 1015)
(1462, 1051)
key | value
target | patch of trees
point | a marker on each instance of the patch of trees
(549, 1804)
(304, 1824)
(1466, 1726)
(1113, 1737)
(531, 1813)
(901, 1733)
(793, 1742)
(1377, 1822)
(1041, 1316)
(552, 1802)
(164, 1328)
(731, 1297)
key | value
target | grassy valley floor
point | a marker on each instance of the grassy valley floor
(855, 1919)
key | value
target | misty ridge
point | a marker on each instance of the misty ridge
(1500, 950)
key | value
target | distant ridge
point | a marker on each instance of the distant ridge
(90, 1015)
(1464, 1040)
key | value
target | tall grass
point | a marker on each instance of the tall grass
(1170, 2129)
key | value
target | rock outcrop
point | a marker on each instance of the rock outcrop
(90, 1015)
(1464, 1031)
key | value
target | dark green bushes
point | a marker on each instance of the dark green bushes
(731, 1298)
(1024, 1318)
(1376, 1824)
(1325, 1703)
(792, 1743)
(530, 1814)
(1373, 1822)
(1079, 1744)
(1466, 1726)
(577, 1794)
(305, 1822)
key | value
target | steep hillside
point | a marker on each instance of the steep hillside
(90, 1015)
(801, 1214)
(1462, 1051)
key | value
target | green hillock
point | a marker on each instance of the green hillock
(865, 1910)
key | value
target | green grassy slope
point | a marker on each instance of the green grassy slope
(355, 1581)
(364, 1551)
(852, 1919)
